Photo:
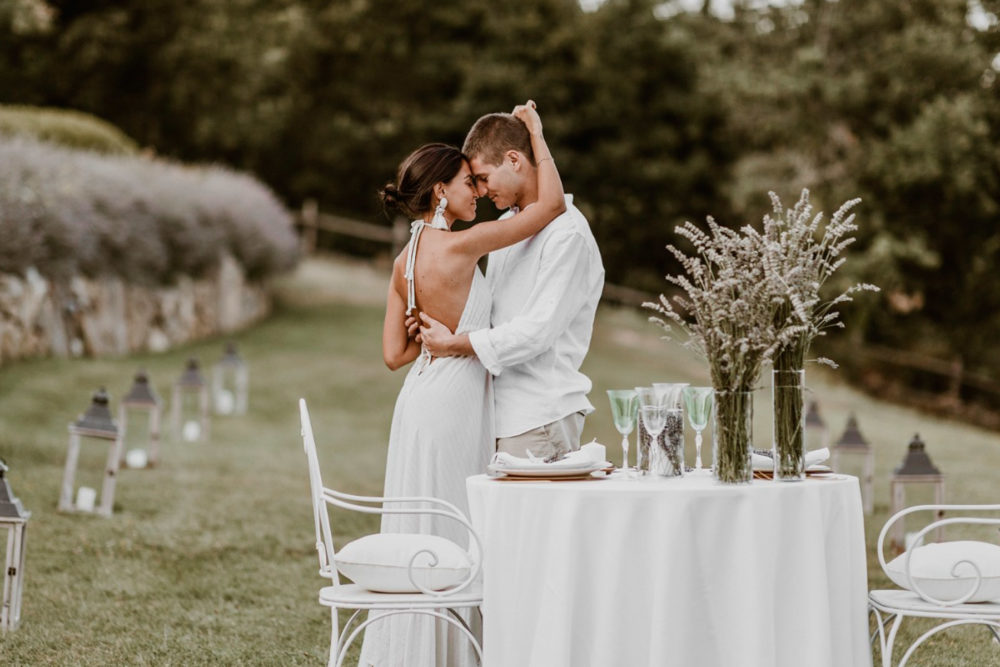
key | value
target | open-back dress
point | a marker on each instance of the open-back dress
(442, 432)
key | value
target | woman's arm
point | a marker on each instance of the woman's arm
(485, 237)
(398, 349)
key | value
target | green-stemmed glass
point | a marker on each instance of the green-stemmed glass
(624, 410)
(698, 403)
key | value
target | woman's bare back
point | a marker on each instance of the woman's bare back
(442, 277)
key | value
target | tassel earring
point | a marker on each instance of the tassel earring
(438, 221)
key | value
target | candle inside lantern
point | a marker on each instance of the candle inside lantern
(192, 431)
(136, 458)
(225, 402)
(85, 499)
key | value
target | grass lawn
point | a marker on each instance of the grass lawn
(209, 557)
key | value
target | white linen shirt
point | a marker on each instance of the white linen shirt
(545, 293)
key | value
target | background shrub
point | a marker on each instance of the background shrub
(147, 221)
(72, 129)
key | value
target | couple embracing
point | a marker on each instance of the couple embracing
(495, 358)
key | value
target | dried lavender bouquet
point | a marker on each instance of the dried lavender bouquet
(727, 312)
(799, 253)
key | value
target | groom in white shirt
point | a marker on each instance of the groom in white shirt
(545, 293)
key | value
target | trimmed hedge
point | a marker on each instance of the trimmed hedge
(69, 212)
(73, 129)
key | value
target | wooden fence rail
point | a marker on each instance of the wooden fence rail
(312, 222)
(953, 370)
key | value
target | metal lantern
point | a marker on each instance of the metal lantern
(853, 454)
(230, 383)
(95, 424)
(919, 474)
(14, 517)
(190, 405)
(816, 431)
(140, 413)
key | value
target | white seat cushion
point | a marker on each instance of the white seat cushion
(945, 571)
(382, 562)
(353, 596)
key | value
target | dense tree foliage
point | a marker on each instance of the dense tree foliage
(657, 115)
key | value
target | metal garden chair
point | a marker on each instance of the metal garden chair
(966, 579)
(441, 604)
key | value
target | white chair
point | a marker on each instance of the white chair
(467, 594)
(944, 593)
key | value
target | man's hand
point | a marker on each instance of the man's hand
(436, 337)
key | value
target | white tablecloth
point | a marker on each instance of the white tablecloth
(683, 572)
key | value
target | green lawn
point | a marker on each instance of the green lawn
(209, 558)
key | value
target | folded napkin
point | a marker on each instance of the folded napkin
(580, 457)
(815, 457)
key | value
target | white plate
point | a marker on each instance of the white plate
(549, 470)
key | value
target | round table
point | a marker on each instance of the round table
(686, 572)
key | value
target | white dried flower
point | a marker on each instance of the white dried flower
(748, 296)
(806, 255)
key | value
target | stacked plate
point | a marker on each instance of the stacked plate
(555, 470)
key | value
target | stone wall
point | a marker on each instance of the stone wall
(105, 316)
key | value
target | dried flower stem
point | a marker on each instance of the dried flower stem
(733, 430)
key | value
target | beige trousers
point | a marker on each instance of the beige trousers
(559, 437)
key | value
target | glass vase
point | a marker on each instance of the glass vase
(667, 455)
(732, 429)
(788, 442)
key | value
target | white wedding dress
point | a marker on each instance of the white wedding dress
(442, 432)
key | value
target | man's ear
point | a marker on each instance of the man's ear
(515, 158)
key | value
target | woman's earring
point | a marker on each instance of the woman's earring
(438, 221)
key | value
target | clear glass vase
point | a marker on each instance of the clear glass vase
(667, 455)
(788, 442)
(732, 429)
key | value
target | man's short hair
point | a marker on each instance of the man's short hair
(496, 133)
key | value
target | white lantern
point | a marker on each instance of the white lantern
(230, 383)
(15, 519)
(816, 431)
(853, 455)
(916, 475)
(139, 418)
(95, 425)
(189, 407)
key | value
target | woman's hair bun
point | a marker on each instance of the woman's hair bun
(411, 194)
(390, 196)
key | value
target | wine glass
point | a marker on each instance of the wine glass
(624, 410)
(654, 418)
(643, 441)
(698, 403)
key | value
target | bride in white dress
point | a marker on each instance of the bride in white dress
(442, 426)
